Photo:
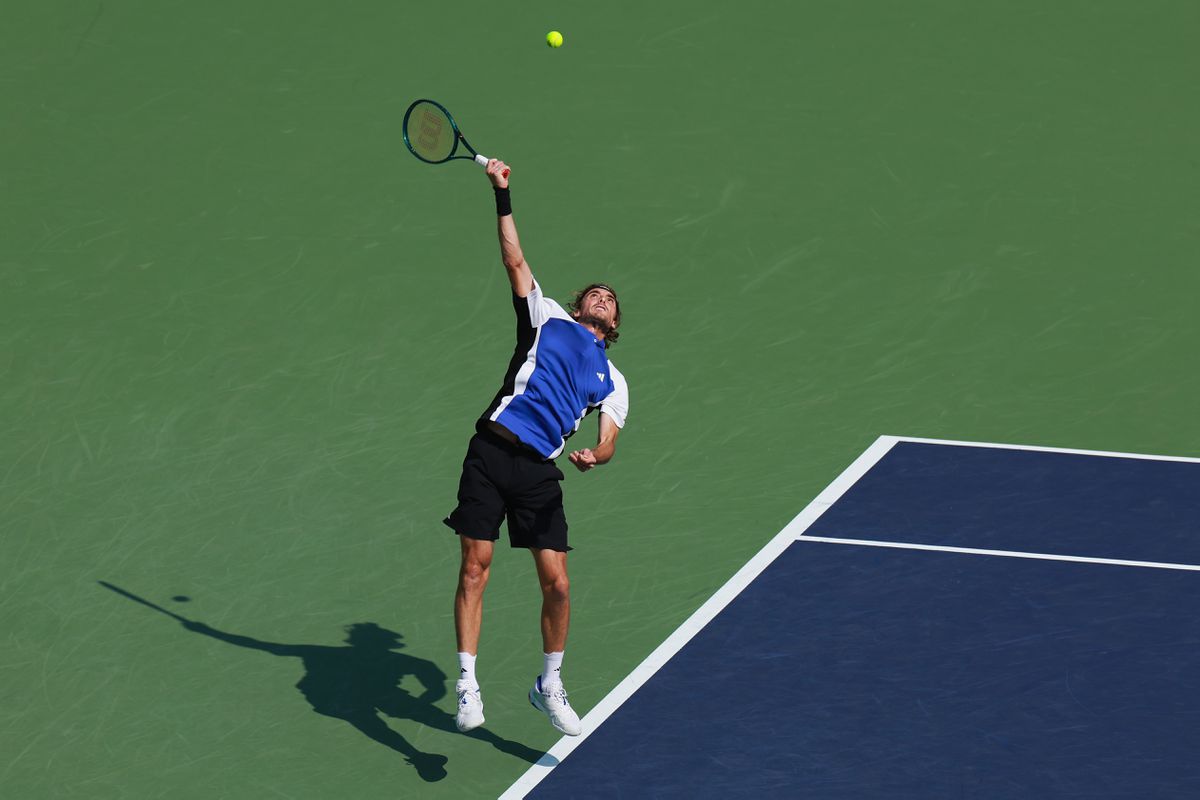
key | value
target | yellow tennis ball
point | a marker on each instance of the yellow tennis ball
(554, 39)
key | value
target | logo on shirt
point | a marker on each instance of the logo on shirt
(600, 375)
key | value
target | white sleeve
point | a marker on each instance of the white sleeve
(541, 308)
(616, 405)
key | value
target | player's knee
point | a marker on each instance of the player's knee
(557, 588)
(473, 575)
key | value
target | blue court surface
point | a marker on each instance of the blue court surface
(945, 620)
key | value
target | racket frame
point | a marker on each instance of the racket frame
(458, 137)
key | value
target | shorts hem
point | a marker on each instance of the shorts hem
(564, 549)
(482, 537)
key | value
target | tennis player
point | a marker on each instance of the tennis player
(558, 374)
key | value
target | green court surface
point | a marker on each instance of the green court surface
(244, 335)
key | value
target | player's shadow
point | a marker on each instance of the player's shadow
(360, 684)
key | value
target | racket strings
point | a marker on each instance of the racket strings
(431, 134)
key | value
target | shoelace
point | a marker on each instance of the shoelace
(467, 694)
(560, 694)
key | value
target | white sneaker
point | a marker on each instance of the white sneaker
(470, 707)
(552, 701)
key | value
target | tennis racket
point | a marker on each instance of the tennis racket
(431, 135)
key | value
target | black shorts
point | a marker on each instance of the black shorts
(501, 479)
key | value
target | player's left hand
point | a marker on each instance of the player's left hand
(583, 459)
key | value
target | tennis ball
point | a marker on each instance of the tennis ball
(554, 39)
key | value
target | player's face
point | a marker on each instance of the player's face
(599, 304)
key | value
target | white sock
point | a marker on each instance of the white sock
(551, 668)
(466, 669)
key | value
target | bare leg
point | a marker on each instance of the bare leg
(556, 598)
(468, 600)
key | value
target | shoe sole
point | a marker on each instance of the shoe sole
(461, 729)
(556, 726)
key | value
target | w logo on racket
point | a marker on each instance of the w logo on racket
(431, 129)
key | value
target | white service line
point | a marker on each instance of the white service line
(702, 616)
(1119, 562)
(1038, 449)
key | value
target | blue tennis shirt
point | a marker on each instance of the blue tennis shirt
(559, 373)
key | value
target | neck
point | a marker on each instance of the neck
(598, 328)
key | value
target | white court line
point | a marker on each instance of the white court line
(793, 531)
(1120, 562)
(1037, 449)
(702, 616)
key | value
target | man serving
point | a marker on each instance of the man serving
(558, 374)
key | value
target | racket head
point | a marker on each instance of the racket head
(430, 133)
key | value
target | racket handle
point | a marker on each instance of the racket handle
(483, 162)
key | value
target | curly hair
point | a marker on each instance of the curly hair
(611, 337)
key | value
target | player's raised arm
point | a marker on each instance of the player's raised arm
(519, 274)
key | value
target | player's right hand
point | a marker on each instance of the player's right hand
(497, 172)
